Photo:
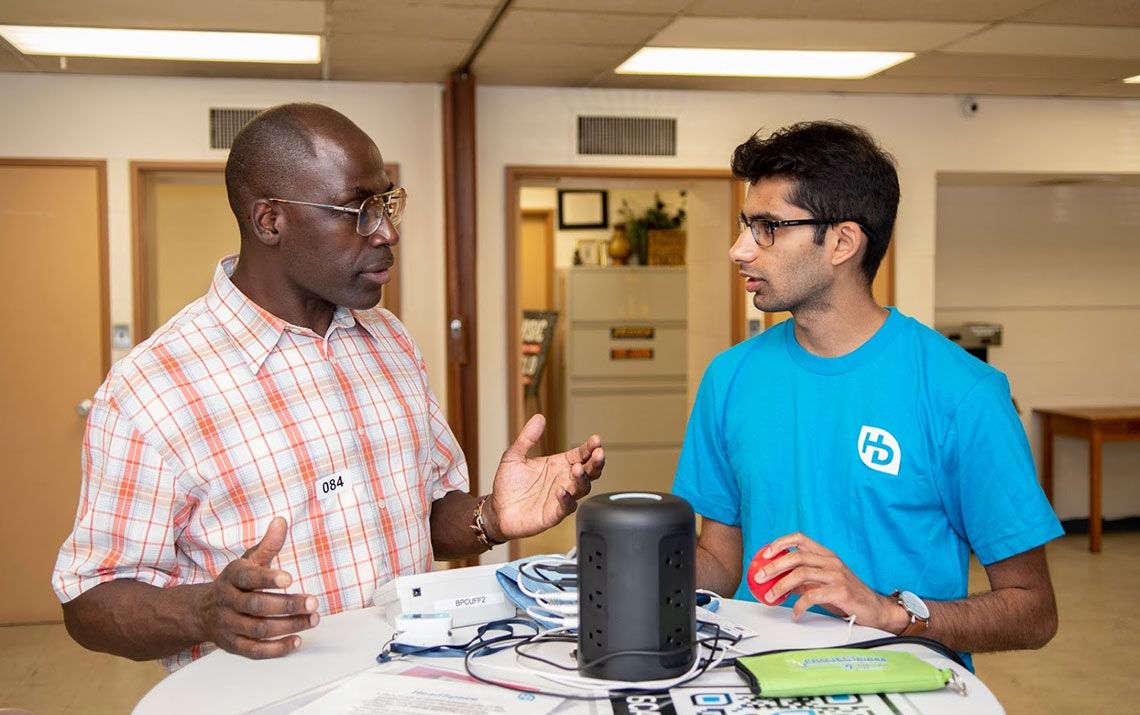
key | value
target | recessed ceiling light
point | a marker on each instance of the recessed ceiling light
(1133, 80)
(164, 44)
(816, 64)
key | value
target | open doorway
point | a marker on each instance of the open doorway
(704, 319)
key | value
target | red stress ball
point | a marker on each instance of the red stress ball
(761, 589)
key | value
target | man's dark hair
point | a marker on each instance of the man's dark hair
(837, 170)
(269, 150)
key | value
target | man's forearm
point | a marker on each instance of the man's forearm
(451, 534)
(136, 620)
(1005, 619)
(714, 576)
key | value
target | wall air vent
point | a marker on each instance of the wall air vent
(627, 136)
(225, 123)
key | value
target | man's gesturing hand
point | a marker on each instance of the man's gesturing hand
(241, 616)
(820, 578)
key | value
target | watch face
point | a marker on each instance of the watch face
(914, 605)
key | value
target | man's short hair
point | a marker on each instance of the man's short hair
(268, 151)
(837, 170)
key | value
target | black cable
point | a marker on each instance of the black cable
(572, 696)
(930, 643)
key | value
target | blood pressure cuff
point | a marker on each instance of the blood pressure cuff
(508, 580)
(840, 671)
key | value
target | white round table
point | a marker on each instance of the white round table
(347, 643)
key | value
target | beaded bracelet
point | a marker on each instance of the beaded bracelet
(480, 527)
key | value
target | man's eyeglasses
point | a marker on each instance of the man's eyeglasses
(764, 230)
(371, 212)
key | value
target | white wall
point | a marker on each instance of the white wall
(122, 119)
(1059, 268)
(927, 134)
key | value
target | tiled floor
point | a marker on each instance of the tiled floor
(1085, 669)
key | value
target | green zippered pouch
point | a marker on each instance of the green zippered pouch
(840, 671)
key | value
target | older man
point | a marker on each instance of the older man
(274, 452)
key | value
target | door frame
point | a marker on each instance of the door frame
(139, 240)
(100, 166)
(516, 176)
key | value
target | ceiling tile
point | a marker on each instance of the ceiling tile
(875, 85)
(520, 62)
(1008, 67)
(1053, 40)
(644, 7)
(577, 27)
(1106, 13)
(364, 56)
(783, 34)
(384, 20)
(934, 10)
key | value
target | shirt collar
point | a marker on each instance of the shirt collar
(255, 330)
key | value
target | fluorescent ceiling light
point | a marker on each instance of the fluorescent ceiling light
(1133, 80)
(817, 64)
(164, 44)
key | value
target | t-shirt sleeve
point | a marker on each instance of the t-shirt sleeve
(990, 485)
(704, 475)
(125, 525)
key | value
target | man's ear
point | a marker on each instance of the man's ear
(850, 242)
(268, 220)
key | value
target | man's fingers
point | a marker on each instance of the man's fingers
(596, 463)
(263, 603)
(250, 577)
(262, 649)
(528, 437)
(266, 550)
(585, 450)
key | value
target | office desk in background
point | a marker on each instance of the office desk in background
(1097, 425)
(347, 643)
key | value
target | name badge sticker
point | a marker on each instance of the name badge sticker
(329, 485)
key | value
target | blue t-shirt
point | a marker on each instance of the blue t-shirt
(900, 457)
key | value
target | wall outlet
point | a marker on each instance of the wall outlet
(121, 336)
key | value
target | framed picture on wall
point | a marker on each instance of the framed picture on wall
(583, 208)
(589, 252)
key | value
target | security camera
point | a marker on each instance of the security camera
(969, 106)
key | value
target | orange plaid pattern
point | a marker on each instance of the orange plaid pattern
(228, 416)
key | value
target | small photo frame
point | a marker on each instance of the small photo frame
(589, 251)
(583, 208)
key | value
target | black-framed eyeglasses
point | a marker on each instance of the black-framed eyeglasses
(764, 230)
(371, 212)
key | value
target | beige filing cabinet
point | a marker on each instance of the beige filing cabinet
(627, 370)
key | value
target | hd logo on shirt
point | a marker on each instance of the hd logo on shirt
(879, 450)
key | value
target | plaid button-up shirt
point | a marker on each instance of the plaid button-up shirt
(228, 416)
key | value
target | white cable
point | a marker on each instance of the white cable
(850, 627)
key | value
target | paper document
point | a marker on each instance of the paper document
(374, 692)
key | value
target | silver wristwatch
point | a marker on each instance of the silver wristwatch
(918, 611)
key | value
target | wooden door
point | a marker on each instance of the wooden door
(53, 244)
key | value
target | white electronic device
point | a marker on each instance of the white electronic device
(423, 629)
(471, 595)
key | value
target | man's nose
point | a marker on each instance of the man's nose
(385, 233)
(744, 248)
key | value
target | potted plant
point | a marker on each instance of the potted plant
(638, 223)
